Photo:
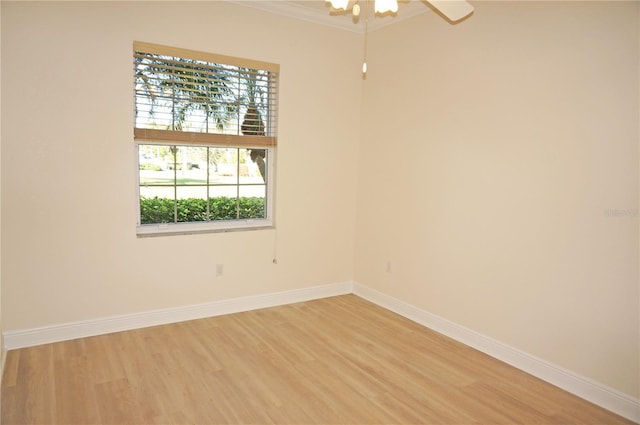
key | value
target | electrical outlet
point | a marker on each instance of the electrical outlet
(388, 267)
(219, 270)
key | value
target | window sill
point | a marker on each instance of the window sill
(169, 229)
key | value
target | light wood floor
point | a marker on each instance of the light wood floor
(335, 360)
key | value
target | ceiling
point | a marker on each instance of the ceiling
(320, 12)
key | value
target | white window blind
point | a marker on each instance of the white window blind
(196, 98)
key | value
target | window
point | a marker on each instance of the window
(205, 133)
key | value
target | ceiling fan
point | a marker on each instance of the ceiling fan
(454, 10)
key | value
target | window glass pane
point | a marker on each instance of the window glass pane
(253, 166)
(154, 164)
(223, 191)
(192, 203)
(156, 209)
(224, 165)
(252, 191)
(191, 165)
(157, 192)
(157, 178)
(224, 208)
(217, 157)
(252, 202)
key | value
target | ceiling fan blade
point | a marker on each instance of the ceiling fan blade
(454, 10)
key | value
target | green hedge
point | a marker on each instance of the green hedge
(161, 210)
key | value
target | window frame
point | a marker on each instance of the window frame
(212, 226)
(146, 136)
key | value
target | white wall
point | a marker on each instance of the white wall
(491, 153)
(68, 189)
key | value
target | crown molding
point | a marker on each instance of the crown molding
(309, 11)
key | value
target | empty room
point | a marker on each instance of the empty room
(310, 212)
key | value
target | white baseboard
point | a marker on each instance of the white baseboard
(594, 392)
(601, 395)
(3, 361)
(68, 331)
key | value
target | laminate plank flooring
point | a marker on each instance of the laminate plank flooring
(338, 360)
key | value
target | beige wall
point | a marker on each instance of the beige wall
(2, 356)
(68, 194)
(501, 178)
(489, 152)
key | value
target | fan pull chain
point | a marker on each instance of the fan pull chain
(366, 28)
